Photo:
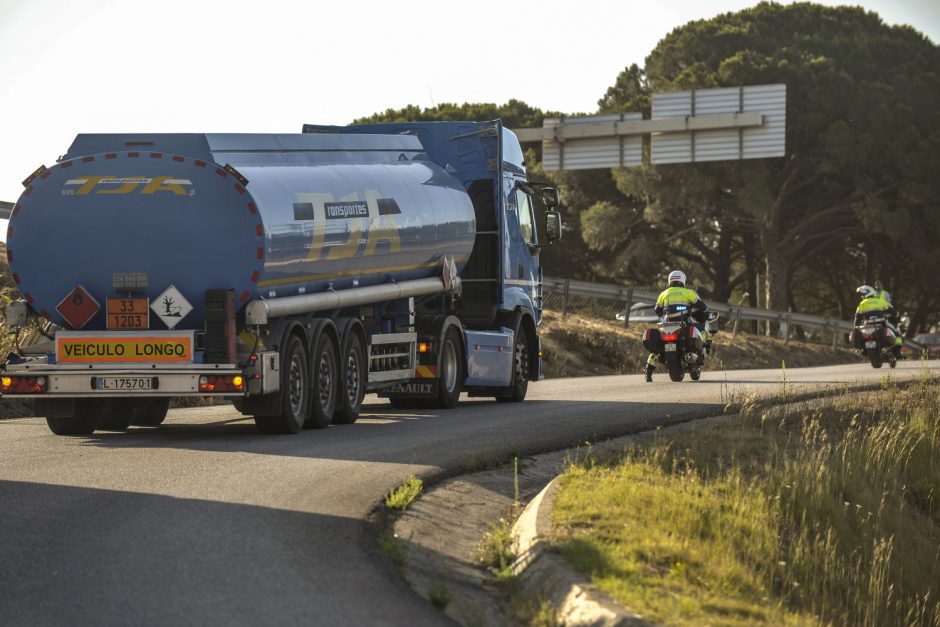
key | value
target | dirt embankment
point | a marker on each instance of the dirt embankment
(578, 346)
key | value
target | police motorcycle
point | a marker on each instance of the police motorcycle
(874, 338)
(677, 342)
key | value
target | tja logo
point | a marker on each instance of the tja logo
(128, 185)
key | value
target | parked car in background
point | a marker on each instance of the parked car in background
(930, 342)
(641, 312)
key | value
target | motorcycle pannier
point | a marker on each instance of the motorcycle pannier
(652, 341)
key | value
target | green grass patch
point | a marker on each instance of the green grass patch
(440, 595)
(826, 512)
(495, 552)
(404, 495)
(392, 547)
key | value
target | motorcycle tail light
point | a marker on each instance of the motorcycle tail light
(670, 337)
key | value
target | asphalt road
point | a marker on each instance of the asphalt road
(204, 521)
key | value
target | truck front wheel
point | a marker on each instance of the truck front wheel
(520, 371)
(295, 392)
(450, 372)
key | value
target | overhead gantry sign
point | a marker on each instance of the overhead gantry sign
(722, 124)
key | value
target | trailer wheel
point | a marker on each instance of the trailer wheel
(295, 392)
(114, 414)
(516, 392)
(150, 412)
(324, 383)
(450, 372)
(83, 422)
(352, 380)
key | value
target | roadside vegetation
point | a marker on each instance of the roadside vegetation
(404, 495)
(581, 345)
(826, 512)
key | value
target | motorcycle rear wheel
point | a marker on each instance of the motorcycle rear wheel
(675, 371)
(874, 356)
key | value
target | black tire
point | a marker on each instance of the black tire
(150, 412)
(295, 392)
(520, 370)
(83, 422)
(323, 383)
(114, 414)
(892, 362)
(676, 373)
(874, 356)
(352, 380)
(450, 372)
(695, 374)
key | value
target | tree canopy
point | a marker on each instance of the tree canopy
(854, 200)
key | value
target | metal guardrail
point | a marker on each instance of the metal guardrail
(630, 295)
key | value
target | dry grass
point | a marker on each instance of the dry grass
(823, 513)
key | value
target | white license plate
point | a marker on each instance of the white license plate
(670, 348)
(124, 383)
(871, 344)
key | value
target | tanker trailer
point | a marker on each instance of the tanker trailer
(292, 273)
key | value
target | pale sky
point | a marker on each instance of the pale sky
(73, 66)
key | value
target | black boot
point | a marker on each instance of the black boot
(649, 372)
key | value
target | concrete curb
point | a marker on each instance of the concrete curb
(577, 601)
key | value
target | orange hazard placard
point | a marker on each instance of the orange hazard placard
(71, 350)
(128, 313)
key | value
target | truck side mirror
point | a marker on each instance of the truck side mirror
(552, 226)
(550, 198)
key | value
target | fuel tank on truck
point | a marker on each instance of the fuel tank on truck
(293, 214)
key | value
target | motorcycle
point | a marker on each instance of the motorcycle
(678, 343)
(875, 339)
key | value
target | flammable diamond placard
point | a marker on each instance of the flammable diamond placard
(171, 307)
(78, 307)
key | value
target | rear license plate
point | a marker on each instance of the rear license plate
(129, 384)
(670, 348)
(870, 344)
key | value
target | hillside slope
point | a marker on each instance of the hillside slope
(579, 346)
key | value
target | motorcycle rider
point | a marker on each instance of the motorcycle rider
(678, 294)
(872, 301)
(881, 292)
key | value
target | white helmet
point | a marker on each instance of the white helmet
(676, 276)
(865, 291)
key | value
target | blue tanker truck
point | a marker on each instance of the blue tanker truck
(292, 273)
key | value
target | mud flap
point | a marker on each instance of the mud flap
(414, 388)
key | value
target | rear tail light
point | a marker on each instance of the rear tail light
(222, 383)
(24, 385)
(670, 337)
